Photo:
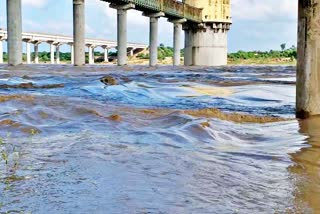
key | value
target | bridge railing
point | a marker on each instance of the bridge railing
(171, 8)
(149, 4)
(192, 13)
(63, 39)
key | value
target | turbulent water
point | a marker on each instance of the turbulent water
(72, 144)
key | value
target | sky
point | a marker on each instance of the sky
(257, 24)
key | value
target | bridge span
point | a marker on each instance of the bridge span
(55, 41)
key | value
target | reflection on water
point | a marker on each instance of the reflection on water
(306, 167)
(154, 141)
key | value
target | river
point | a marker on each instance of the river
(155, 140)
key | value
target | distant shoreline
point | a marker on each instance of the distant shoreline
(169, 62)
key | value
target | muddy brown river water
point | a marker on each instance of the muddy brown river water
(160, 140)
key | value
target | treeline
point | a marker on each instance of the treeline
(64, 56)
(167, 52)
(290, 53)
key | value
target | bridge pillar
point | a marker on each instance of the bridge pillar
(1, 51)
(91, 54)
(177, 29)
(122, 37)
(92, 58)
(206, 44)
(28, 52)
(153, 36)
(14, 25)
(106, 54)
(79, 32)
(72, 53)
(51, 53)
(122, 31)
(131, 53)
(308, 68)
(36, 52)
(153, 41)
(58, 53)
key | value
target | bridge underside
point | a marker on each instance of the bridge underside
(172, 9)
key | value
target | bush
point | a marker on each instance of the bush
(272, 54)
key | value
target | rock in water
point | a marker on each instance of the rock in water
(109, 80)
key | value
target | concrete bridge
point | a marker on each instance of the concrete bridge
(202, 24)
(55, 41)
(205, 23)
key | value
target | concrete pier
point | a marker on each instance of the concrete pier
(36, 53)
(28, 52)
(93, 59)
(58, 53)
(79, 32)
(206, 44)
(153, 37)
(308, 67)
(52, 53)
(153, 41)
(106, 54)
(14, 27)
(91, 54)
(72, 53)
(1, 51)
(122, 31)
(177, 29)
(122, 36)
(131, 53)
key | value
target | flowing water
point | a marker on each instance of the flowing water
(72, 144)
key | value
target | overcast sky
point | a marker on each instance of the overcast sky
(257, 24)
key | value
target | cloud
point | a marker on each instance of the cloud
(35, 3)
(257, 24)
(134, 17)
(267, 10)
(263, 25)
(52, 27)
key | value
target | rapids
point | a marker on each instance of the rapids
(147, 144)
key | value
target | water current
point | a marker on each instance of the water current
(157, 140)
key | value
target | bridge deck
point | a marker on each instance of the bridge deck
(62, 39)
(171, 8)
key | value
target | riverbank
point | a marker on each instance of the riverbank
(253, 61)
(169, 61)
(268, 61)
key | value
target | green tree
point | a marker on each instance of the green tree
(283, 46)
